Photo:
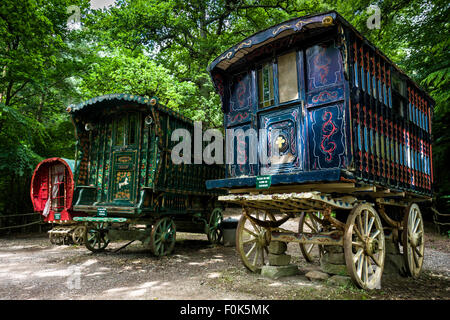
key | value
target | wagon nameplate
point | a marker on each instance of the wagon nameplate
(263, 182)
(101, 212)
(57, 216)
(125, 167)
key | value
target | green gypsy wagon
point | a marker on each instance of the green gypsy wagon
(125, 181)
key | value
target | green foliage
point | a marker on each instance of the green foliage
(162, 48)
(121, 73)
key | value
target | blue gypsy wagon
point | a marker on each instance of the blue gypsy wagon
(345, 137)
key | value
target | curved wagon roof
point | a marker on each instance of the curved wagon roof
(298, 25)
(112, 99)
(41, 169)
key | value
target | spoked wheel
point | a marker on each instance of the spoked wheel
(78, 235)
(364, 247)
(96, 237)
(53, 238)
(315, 227)
(413, 240)
(253, 238)
(213, 230)
(163, 237)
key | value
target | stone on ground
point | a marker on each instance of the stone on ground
(338, 280)
(279, 259)
(339, 269)
(277, 247)
(276, 272)
(317, 275)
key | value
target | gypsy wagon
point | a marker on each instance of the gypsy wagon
(344, 142)
(51, 193)
(125, 181)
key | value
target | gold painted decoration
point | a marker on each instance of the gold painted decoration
(283, 27)
(248, 43)
(327, 21)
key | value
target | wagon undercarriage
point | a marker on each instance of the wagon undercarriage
(360, 227)
(157, 232)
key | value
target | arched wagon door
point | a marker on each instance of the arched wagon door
(52, 189)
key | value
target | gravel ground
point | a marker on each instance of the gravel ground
(32, 268)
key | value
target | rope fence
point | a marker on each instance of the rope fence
(24, 217)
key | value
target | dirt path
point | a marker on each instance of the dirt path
(32, 268)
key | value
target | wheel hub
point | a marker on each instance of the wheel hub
(415, 240)
(371, 246)
(263, 238)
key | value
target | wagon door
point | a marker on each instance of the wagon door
(281, 125)
(125, 154)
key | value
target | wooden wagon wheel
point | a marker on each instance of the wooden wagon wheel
(364, 247)
(213, 230)
(163, 237)
(96, 237)
(78, 235)
(315, 227)
(413, 240)
(52, 238)
(253, 236)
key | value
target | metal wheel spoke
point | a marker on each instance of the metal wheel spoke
(369, 228)
(366, 223)
(358, 255)
(255, 258)
(366, 269)
(358, 234)
(250, 232)
(251, 250)
(359, 266)
(249, 241)
(416, 259)
(358, 244)
(375, 260)
(416, 225)
(418, 252)
(310, 248)
(376, 233)
(255, 227)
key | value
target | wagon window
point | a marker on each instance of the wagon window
(287, 77)
(120, 131)
(398, 84)
(132, 130)
(265, 85)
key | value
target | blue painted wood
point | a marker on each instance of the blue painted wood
(353, 122)
(242, 140)
(240, 92)
(330, 175)
(326, 137)
(285, 132)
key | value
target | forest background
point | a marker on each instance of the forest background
(51, 57)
